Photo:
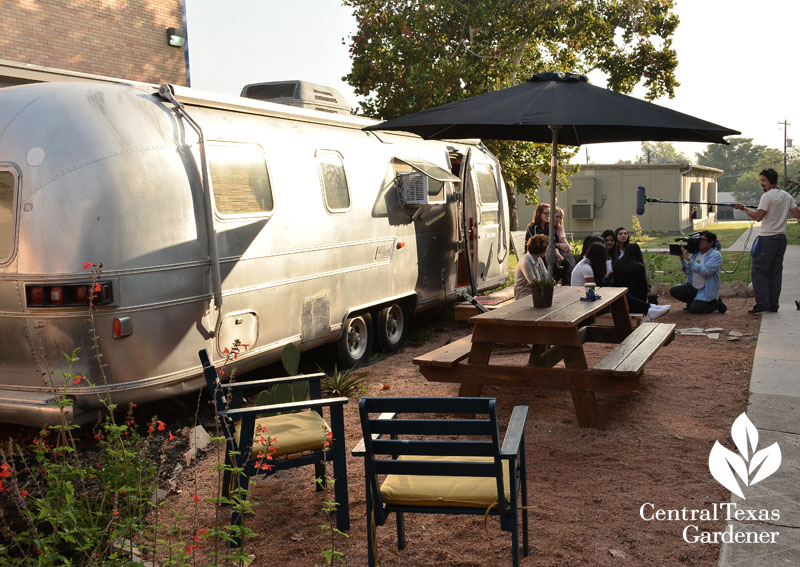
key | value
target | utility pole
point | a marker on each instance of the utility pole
(785, 124)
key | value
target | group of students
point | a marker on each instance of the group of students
(610, 259)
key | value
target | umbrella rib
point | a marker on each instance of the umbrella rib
(437, 132)
(577, 138)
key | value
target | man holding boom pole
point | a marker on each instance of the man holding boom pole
(768, 249)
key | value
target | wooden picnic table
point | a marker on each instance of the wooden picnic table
(554, 333)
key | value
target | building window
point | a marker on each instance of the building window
(333, 180)
(7, 184)
(239, 178)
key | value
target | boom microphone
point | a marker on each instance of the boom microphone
(640, 200)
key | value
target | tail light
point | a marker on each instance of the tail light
(71, 295)
(56, 295)
(35, 295)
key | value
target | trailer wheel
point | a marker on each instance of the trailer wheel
(355, 344)
(392, 327)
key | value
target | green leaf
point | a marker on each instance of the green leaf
(282, 393)
(290, 357)
(299, 391)
(265, 398)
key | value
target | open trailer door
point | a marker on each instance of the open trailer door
(487, 236)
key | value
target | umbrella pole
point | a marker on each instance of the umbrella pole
(551, 246)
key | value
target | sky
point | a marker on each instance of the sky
(736, 59)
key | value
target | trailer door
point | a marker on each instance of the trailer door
(488, 265)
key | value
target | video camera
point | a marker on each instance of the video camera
(692, 244)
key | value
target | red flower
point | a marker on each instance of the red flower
(190, 548)
(196, 497)
(171, 436)
(78, 379)
(161, 425)
(87, 265)
(23, 493)
(5, 470)
(267, 467)
(98, 287)
(150, 429)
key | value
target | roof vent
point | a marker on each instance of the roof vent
(299, 93)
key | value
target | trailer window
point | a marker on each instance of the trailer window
(333, 180)
(6, 214)
(486, 184)
(239, 178)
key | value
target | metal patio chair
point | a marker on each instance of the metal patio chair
(299, 431)
(442, 465)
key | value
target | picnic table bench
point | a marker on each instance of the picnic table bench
(555, 333)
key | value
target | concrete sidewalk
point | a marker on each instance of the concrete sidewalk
(774, 408)
(745, 240)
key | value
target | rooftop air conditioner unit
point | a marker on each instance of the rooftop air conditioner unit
(415, 189)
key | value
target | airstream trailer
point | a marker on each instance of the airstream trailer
(219, 218)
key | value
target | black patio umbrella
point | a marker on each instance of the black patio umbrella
(558, 108)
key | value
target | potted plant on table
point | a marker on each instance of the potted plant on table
(542, 291)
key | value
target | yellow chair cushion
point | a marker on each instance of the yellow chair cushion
(452, 491)
(293, 433)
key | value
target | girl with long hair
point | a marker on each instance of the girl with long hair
(621, 241)
(593, 267)
(540, 223)
(629, 271)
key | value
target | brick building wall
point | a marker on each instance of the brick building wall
(117, 38)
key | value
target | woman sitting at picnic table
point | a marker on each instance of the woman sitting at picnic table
(593, 267)
(621, 240)
(629, 271)
(531, 266)
(609, 240)
(540, 223)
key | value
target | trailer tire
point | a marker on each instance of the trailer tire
(355, 345)
(392, 327)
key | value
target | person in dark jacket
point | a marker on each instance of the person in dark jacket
(629, 271)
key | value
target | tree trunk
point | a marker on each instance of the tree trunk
(511, 195)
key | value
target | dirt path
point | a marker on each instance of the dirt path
(587, 485)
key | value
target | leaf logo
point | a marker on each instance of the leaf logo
(751, 466)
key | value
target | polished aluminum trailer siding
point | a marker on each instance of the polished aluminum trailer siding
(113, 173)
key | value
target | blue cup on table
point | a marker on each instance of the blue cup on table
(590, 294)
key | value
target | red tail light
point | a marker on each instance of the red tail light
(81, 294)
(35, 295)
(71, 295)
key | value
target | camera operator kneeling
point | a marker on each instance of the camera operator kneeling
(701, 290)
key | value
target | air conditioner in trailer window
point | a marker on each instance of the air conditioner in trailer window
(422, 182)
(415, 189)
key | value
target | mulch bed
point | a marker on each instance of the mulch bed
(587, 485)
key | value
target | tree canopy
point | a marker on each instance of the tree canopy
(659, 152)
(411, 55)
(741, 162)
